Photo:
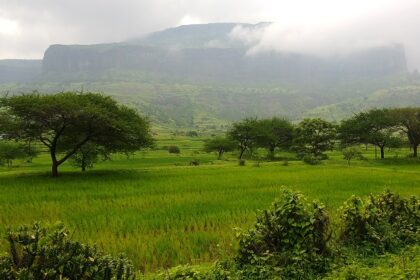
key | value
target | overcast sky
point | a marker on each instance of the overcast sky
(28, 27)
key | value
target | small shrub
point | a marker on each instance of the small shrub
(311, 159)
(351, 153)
(241, 162)
(192, 133)
(285, 162)
(195, 162)
(174, 150)
(292, 236)
(182, 272)
(37, 253)
(384, 222)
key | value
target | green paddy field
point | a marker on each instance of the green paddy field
(162, 212)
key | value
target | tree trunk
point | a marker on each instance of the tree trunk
(54, 169)
(242, 153)
(271, 151)
(415, 150)
(83, 164)
(220, 154)
(382, 152)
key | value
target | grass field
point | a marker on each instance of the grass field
(162, 212)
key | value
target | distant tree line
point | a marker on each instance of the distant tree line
(87, 127)
(311, 138)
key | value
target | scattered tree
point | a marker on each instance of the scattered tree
(374, 127)
(65, 122)
(314, 137)
(408, 120)
(219, 145)
(351, 153)
(88, 155)
(245, 134)
(9, 151)
(31, 151)
(274, 133)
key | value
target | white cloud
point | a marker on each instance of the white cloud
(187, 19)
(9, 27)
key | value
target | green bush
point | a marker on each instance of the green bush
(195, 162)
(188, 272)
(174, 150)
(381, 223)
(291, 237)
(40, 254)
(311, 159)
(350, 153)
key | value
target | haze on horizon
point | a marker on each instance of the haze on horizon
(323, 27)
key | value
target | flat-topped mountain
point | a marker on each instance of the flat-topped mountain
(201, 73)
(207, 53)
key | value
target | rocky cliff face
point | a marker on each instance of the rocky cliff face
(190, 53)
(225, 64)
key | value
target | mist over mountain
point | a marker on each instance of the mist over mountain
(192, 73)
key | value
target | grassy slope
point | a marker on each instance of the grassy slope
(162, 212)
(404, 96)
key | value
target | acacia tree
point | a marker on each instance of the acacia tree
(374, 127)
(66, 121)
(245, 134)
(314, 137)
(219, 145)
(408, 121)
(274, 133)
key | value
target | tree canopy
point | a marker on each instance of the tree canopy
(274, 133)
(64, 122)
(245, 134)
(376, 127)
(219, 145)
(314, 137)
(408, 120)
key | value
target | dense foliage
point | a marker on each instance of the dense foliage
(174, 149)
(382, 223)
(376, 127)
(313, 138)
(292, 235)
(38, 253)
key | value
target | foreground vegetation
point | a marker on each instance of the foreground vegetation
(293, 239)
